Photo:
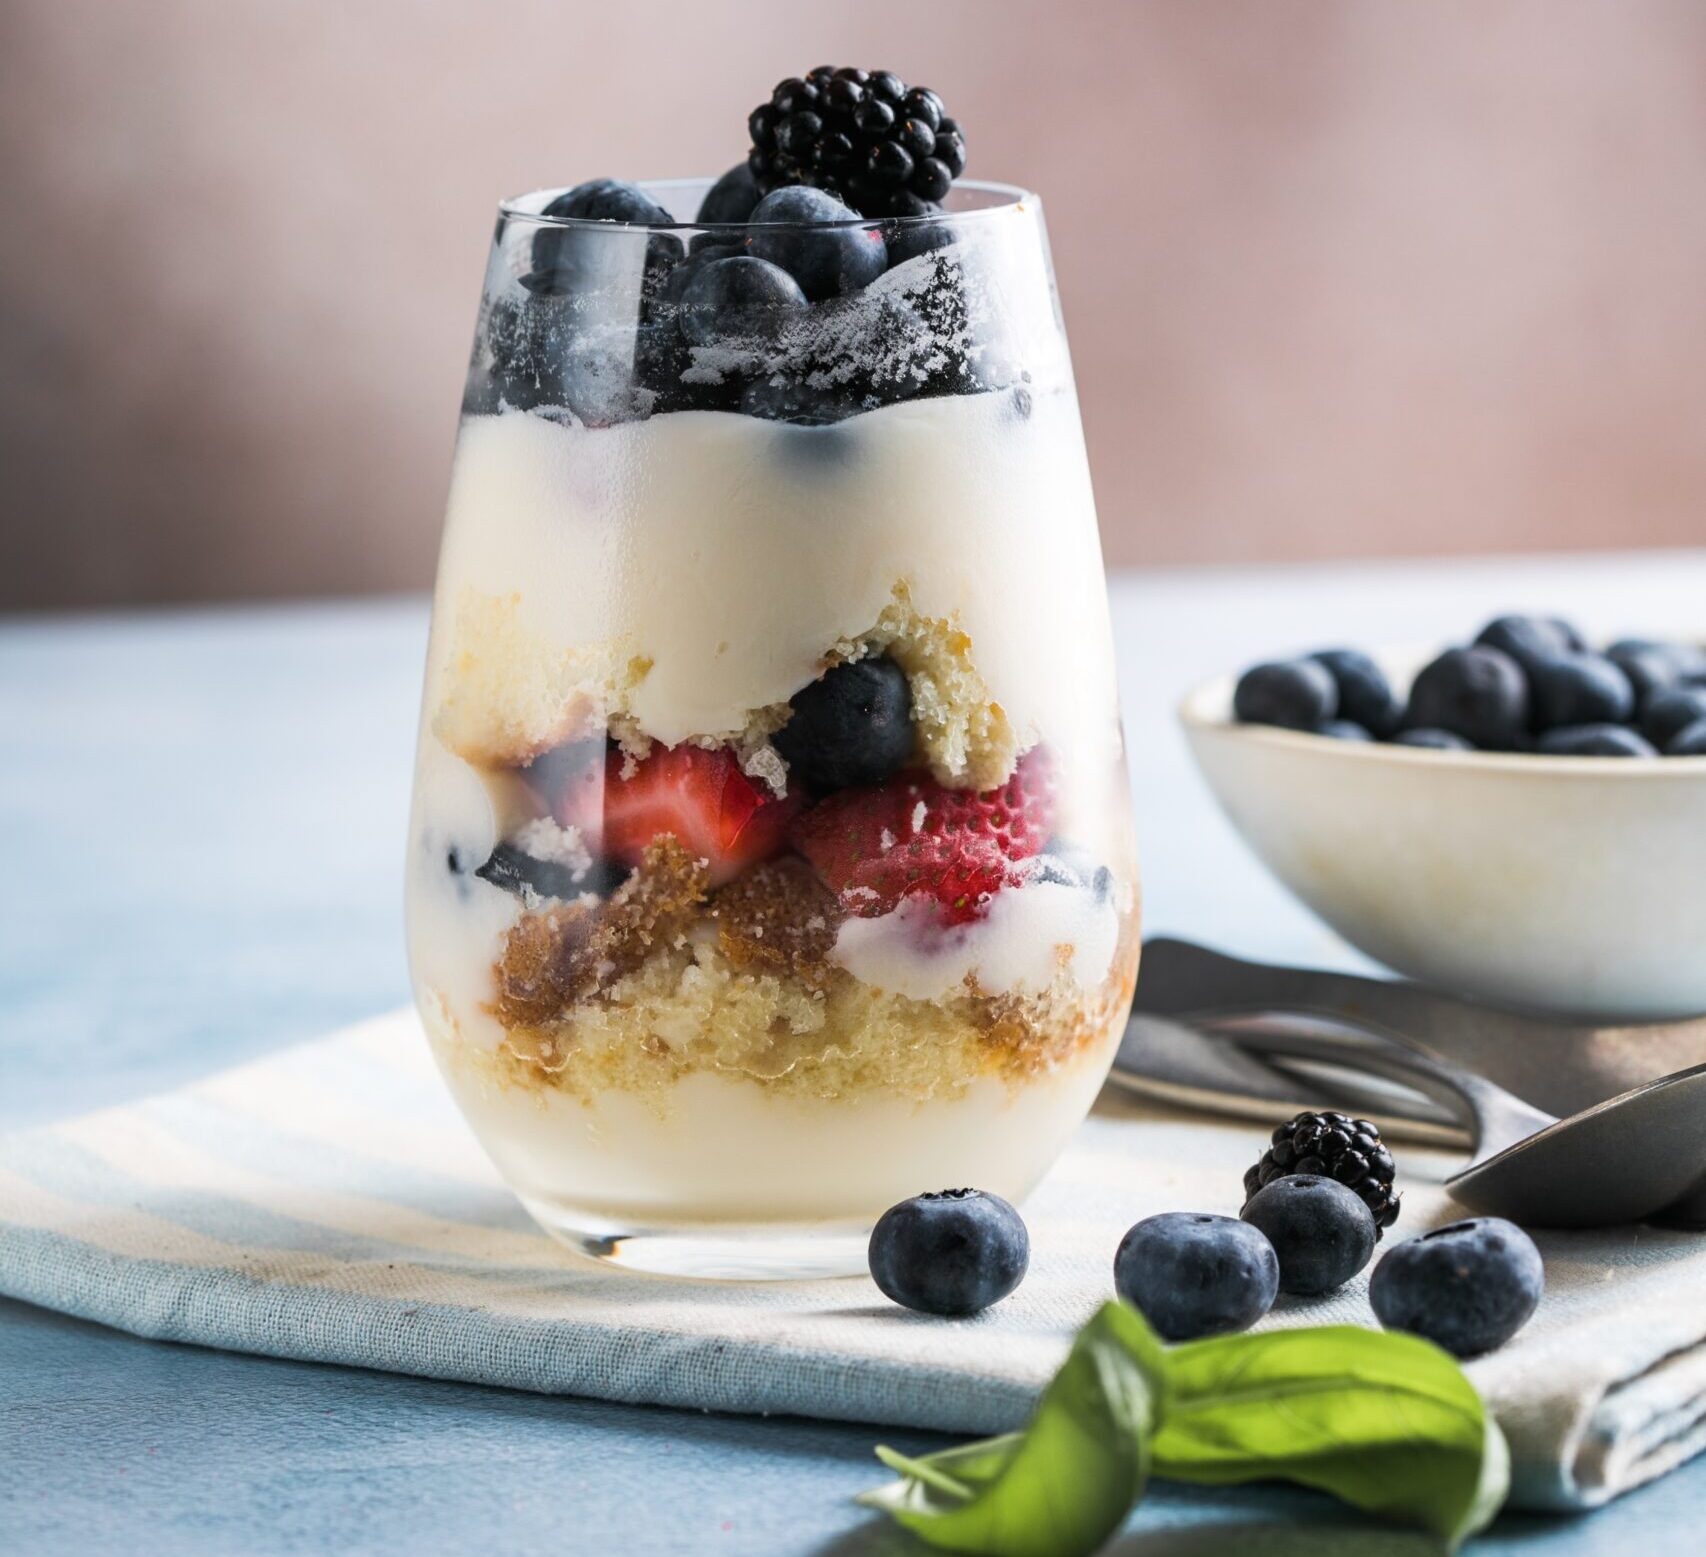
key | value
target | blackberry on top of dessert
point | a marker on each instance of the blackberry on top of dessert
(786, 305)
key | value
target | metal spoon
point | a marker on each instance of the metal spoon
(1561, 1066)
(1629, 1159)
(1196, 1067)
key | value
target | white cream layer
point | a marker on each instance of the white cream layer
(729, 554)
(1028, 935)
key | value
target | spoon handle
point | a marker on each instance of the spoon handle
(1495, 1118)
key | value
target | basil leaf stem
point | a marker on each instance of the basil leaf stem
(1064, 1484)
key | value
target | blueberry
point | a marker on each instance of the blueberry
(1192, 1275)
(1669, 711)
(1342, 730)
(571, 260)
(1529, 639)
(514, 361)
(738, 298)
(661, 358)
(1294, 694)
(1650, 666)
(731, 198)
(1467, 1288)
(1690, 741)
(1594, 740)
(1432, 740)
(1365, 695)
(1322, 1232)
(908, 239)
(1682, 661)
(682, 277)
(515, 871)
(953, 1253)
(609, 200)
(1478, 693)
(852, 726)
(826, 260)
(1578, 688)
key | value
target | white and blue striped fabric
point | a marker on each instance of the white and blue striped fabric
(327, 1203)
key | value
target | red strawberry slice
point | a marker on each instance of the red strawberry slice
(701, 796)
(913, 836)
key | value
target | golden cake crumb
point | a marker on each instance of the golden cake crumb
(778, 918)
(505, 694)
(963, 733)
(719, 996)
(563, 954)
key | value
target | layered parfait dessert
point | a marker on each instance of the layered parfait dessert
(771, 857)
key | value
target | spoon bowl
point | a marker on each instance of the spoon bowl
(1635, 1157)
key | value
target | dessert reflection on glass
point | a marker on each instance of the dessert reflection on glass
(771, 856)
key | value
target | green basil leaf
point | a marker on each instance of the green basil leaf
(1385, 1422)
(1065, 1483)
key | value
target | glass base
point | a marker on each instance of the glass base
(710, 1251)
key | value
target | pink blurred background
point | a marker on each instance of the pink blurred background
(1343, 278)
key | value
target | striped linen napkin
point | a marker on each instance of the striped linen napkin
(327, 1203)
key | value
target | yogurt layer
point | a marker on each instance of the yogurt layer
(685, 574)
(722, 1150)
(1029, 936)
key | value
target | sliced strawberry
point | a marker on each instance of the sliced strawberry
(700, 796)
(913, 836)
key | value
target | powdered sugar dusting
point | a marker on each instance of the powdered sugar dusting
(545, 839)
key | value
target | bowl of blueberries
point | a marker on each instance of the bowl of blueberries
(1521, 819)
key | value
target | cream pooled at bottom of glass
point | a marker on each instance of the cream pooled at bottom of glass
(771, 858)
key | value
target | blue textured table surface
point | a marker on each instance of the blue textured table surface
(201, 832)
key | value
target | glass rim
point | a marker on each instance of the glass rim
(1008, 199)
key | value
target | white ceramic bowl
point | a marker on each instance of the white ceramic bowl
(1570, 885)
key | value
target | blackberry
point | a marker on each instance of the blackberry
(1334, 1146)
(883, 147)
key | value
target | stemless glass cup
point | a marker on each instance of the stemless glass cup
(771, 858)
